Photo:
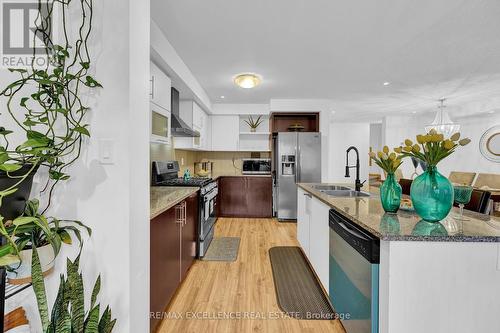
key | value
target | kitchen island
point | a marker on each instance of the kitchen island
(442, 277)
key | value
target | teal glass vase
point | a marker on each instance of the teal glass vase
(432, 195)
(390, 194)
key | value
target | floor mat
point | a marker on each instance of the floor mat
(298, 292)
(223, 249)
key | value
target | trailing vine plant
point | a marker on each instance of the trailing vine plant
(46, 103)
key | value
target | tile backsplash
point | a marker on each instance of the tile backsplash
(224, 163)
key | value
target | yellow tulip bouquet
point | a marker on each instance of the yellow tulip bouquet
(431, 147)
(387, 160)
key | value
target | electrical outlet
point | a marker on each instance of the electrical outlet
(182, 161)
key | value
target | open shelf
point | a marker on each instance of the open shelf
(255, 133)
(258, 141)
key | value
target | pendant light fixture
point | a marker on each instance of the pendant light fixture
(442, 122)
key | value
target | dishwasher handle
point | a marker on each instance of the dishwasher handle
(359, 239)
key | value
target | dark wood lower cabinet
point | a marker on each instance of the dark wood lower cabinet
(173, 237)
(245, 196)
(233, 199)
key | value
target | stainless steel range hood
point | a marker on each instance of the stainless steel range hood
(179, 127)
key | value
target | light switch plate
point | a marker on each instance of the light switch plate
(106, 151)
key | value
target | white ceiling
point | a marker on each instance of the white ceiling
(342, 50)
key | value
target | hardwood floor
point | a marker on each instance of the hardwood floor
(243, 287)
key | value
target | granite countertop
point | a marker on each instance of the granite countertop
(368, 213)
(165, 197)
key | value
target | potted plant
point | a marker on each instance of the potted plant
(254, 123)
(68, 311)
(390, 191)
(34, 230)
(431, 192)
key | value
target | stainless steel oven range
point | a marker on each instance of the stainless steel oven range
(165, 173)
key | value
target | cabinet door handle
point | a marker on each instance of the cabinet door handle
(152, 94)
(178, 214)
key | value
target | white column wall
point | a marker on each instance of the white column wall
(112, 199)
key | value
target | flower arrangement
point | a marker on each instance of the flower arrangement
(431, 147)
(387, 160)
(390, 191)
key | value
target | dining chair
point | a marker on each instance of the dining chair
(479, 201)
(405, 185)
(488, 180)
(462, 178)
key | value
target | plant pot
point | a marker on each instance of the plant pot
(390, 194)
(13, 205)
(22, 271)
(253, 129)
(432, 195)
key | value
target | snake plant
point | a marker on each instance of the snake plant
(68, 313)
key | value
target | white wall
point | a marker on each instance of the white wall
(376, 144)
(469, 158)
(342, 136)
(242, 109)
(112, 199)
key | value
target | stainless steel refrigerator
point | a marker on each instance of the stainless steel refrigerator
(297, 159)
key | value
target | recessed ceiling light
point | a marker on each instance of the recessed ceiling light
(414, 112)
(247, 80)
(386, 83)
(223, 97)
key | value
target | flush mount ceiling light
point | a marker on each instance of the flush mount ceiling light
(442, 122)
(247, 80)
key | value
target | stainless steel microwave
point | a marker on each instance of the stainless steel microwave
(256, 166)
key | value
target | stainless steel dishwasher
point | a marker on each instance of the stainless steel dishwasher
(354, 274)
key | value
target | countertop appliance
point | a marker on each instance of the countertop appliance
(296, 159)
(256, 166)
(165, 173)
(204, 168)
(354, 274)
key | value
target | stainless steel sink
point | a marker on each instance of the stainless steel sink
(322, 188)
(345, 193)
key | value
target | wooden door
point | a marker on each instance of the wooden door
(164, 262)
(233, 197)
(259, 191)
(189, 234)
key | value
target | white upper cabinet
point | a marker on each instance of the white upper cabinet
(160, 85)
(195, 117)
(225, 133)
